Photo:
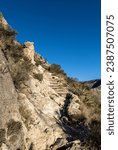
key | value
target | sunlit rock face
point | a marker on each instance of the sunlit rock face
(28, 51)
(3, 23)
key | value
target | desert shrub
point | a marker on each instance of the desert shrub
(21, 76)
(56, 69)
(38, 76)
(75, 87)
(93, 140)
(16, 51)
(6, 31)
(38, 59)
(13, 51)
(22, 73)
(89, 100)
(8, 34)
(91, 109)
(90, 106)
(14, 127)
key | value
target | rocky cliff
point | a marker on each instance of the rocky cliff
(40, 107)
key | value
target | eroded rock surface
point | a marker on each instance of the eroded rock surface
(11, 127)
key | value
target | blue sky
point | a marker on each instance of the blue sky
(66, 32)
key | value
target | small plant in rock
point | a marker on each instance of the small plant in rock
(23, 72)
(38, 76)
(39, 60)
(14, 127)
(16, 51)
(6, 30)
(73, 86)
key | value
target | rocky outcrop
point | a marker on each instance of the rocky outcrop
(74, 111)
(37, 110)
(11, 127)
(28, 51)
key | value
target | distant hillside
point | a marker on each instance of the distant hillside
(93, 83)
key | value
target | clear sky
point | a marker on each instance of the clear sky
(66, 32)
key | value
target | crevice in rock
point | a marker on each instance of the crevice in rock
(75, 130)
(2, 136)
(67, 101)
(31, 146)
(88, 134)
(65, 147)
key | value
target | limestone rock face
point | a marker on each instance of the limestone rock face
(74, 108)
(11, 127)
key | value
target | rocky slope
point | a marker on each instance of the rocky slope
(40, 107)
